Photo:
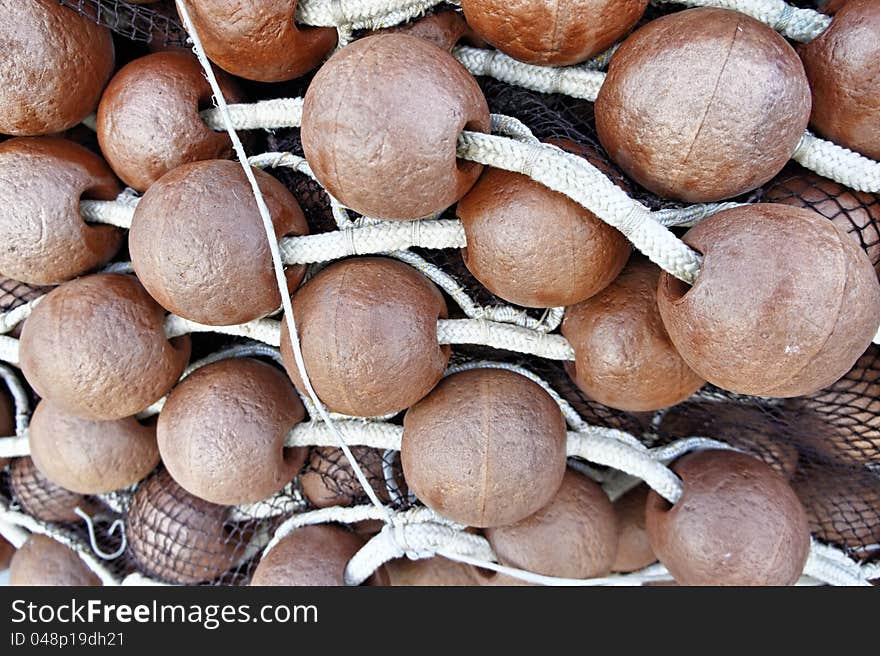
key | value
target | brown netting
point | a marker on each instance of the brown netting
(828, 444)
(176, 537)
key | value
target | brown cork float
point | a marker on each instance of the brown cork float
(624, 357)
(738, 522)
(96, 348)
(148, 119)
(221, 432)
(766, 267)
(387, 147)
(703, 104)
(91, 457)
(42, 561)
(485, 448)
(573, 536)
(199, 246)
(445, 29)
(536, 247)
(556, 33)
(634, 550)
(6, 553)
(429, 572)
(56, 65)
(368, 332)
(843, 66)
(311, 556)
(43, 238)
(259, 39)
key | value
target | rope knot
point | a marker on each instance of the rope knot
(420, 540)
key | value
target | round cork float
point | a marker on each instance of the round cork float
(703, 104)
(485, 448)
(765, 267)
(96, 348)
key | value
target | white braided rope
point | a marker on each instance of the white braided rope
(12, 532)
(449, 331)
(284, 502)
(335, 416)
(333, 514)
(273, 160)
(504, 336)
(118, 500)
(797, 24)
(830, 565)
(8, 349)
(588, 186)
(360, 14)
(20, 400)
(421, 533)
(11, 523)
(10, 319)
(372, 239)
(111, 212)
(414, 535)
(142, 580)
(511, 127)
(373, 434)
(15, 446)
(594, 446)
(838, 163)
(582, 81)
(267, 331)
(690, 215)
(675, 450)
(270, 114)
(602, 60)
(650, 574)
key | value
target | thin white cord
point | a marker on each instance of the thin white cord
(277, 263)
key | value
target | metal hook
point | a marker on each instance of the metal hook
(117, 524)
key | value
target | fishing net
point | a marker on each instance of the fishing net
(827, 444)
(155, 23)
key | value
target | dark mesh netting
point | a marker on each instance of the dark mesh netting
(328, 479)
(14, 293)
(827, 444)
(155, 23)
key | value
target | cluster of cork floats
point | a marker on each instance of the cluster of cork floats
(699, 107)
